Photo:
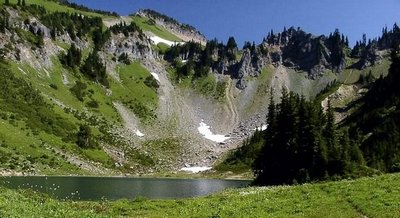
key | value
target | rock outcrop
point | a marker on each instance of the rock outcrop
(293, 48)
(302, 51)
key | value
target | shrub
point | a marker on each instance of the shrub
(79, 90)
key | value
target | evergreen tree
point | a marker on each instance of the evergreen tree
(297, 149)
(231, 48)
(99, 38)
(7, 2)
(231, 44)
(85, 137)
(73, 57)
(94, 69)
(19, 3)
(377, 122)
(23, 3)
(53, 33)
(335, 166)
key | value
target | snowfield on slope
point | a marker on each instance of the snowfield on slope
(261, 128)
(138, 133)
(204, 129)
(195, 169)
(156, 40)
(155, 76)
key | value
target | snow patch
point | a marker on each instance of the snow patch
(138, 133)
(204, 129)
(157, 40)
(195, 169)
(261, 128)
(155, 76)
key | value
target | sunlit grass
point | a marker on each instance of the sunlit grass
(156, 29)
(53, 6)
(367, 197)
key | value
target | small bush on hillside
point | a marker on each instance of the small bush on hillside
(151, 82)
(79, 90)
(93, 104)
(85, 138)
(53, 86)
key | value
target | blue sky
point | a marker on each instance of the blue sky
(251, 20)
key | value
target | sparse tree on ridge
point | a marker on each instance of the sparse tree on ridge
(231, 44)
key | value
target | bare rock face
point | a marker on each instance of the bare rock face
(249, 65)
(19, 49)
(294, 49)
(135, 47)
(36, 27)
(301, 51)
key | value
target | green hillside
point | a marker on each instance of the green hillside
(53, 6)
(45, 141)
(145, 24)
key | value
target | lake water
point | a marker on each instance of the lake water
(111, 188)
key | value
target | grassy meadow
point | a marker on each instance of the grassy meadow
(377, 196)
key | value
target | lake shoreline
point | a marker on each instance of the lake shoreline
(10, 173)
(174, 175)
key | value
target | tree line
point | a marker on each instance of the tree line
(200, 61)
(303, 144)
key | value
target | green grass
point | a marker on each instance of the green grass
(132, 91)
(351, 76)
(105, 111)
(208, 85)
(262, 93)
(97, 155)
(22, 150)
(161, 47)
(41, 81)
(368, 197)
(159, 31)
(53, 6)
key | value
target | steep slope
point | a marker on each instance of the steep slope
(148, 94)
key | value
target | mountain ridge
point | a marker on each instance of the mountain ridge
(157, 96)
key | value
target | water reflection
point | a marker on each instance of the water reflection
(95, 188)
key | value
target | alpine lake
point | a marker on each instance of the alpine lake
(114, 188)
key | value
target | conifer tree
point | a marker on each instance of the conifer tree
(85, 137)
(94, 69)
